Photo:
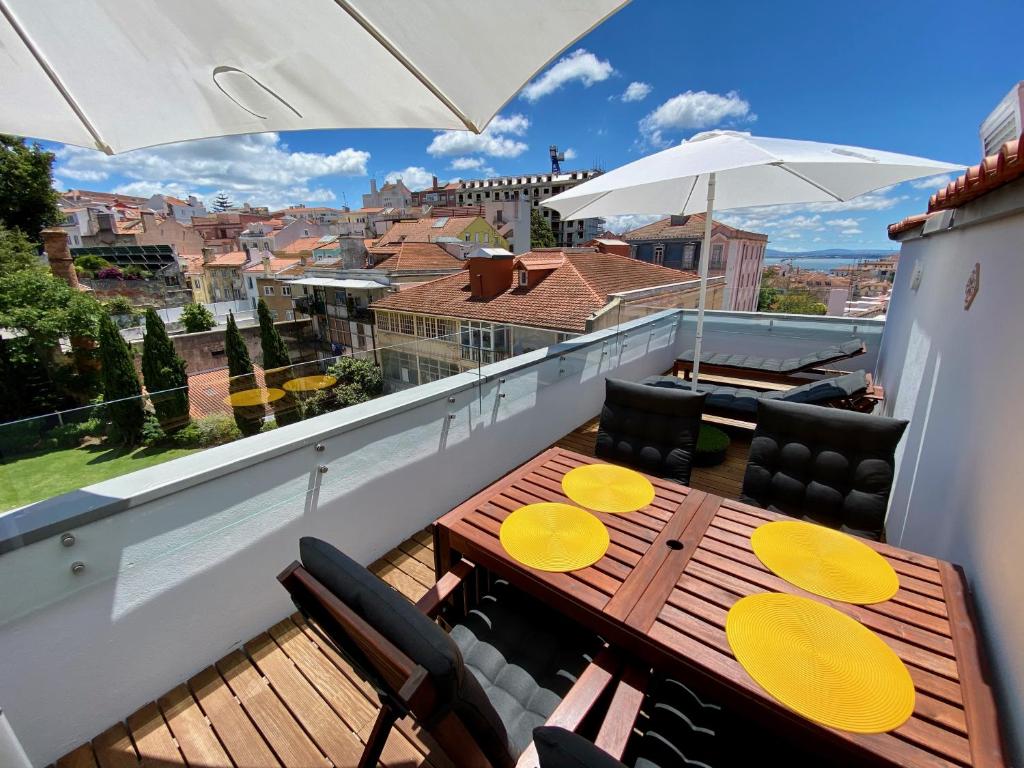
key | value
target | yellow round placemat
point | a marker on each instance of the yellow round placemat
(824, 562)
(310, 383)
(248, 397)
(608, 488)
(820, 663)
(554, 537)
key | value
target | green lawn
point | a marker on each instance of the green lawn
(39, 476)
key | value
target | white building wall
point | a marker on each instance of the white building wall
(958, 377)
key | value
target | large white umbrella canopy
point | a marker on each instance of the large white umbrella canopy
(119, 76)
(722, 170)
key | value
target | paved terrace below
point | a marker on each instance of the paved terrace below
(286, 698)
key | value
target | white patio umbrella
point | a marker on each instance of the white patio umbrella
(731, 169)
(119, 76)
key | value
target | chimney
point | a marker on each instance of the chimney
(302, 260)
(55, 243)
(373, 186)
(433, 183)
(148, 221)
(266, 266)
(490, 276)
(207, 255)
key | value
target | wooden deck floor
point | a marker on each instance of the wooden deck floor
(286, 698)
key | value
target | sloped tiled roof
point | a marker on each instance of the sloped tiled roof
(277, 263)
(229, 259)
(692, 227)
(419, 256)
(990, 174)
(424, 231)
(563, 300)
(302, 244)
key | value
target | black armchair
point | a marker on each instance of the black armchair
(652, 429)
(823, 465)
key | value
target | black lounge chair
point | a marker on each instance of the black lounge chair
(652, 430)
(508, 665)
(768, 369)
(851, 391)
(829, 467)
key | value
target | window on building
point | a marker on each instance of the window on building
(524, 278)
(717, 260)
(434, 327)
(273, 313)
(689, 256)
(286, 290)
(268, 290)
(251, 286)
(289, 314)
(659, 254)
(196, 282)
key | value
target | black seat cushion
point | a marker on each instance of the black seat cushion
(559, 748)
(650, 428)
(823, 356)
(525, 656)
(823, 465)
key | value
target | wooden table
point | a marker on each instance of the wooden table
(673, 570)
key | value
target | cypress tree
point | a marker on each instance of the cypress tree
(276, 366)
(119, 380)
(249, 418)
(163, 369)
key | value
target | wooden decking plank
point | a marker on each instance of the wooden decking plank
(398, 749)
(114, 748)
(196, 739)
(424, 554)
(337, 660)
(401, 581)
(78, 758)
(238, 735)
(284, 734)
(328, 731)
(337, 690)
(410, 566)
(153, 738)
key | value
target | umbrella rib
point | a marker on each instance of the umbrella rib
(588, 203)
(814, 184)
(346, 6)
(57, 82)
(690, 193)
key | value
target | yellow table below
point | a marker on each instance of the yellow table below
(310, 383)
(554, 537)
(608, 488)
(253, 397)
(824, 562)
(820, 663)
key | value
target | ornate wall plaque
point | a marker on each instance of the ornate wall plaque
(973, 283)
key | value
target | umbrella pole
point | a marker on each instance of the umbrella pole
(705, 260)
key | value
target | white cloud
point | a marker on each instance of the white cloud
(477, 164)
(932, 183)
(848, 222)
(636, 91)
(258, 168)
(629, 222)
(414, 177)
(579, 65)
(693, 109)
(570, 154)
(82, 174)
(852, 231)
(494, 141)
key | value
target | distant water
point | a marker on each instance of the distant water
(816, 264)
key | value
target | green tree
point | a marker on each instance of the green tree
(16, 252)
(799, 303)
(196, 318)
(249, 418)
(121, 389)
(222, 202)
(28, 200)
(92, 263)
(766, 298)
(541, 235)
(163, 372)
(277, 367)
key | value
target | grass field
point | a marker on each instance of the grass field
(39, 476)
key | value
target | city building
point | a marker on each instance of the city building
(676, 242)
(394, 194)
(437, 194)
(271, 279)
(536, 188)
(180, 210)
(223, 275)
(221, 230)
(82, 196)
(415, 262)
(338, 301)
(311, 214)
(142, 228)
(501, 305)
(469, 229)
(276, 234)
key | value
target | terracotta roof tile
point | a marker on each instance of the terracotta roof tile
(300, 245)
(991, 173)
(424, 231)
(563, 300)
(419, 256)
(277, 263)
(692, 227)
(230, 259)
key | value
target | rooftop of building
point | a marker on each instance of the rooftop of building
(415, 256)
(425, 230)
(303, 244)
(686, 228)
(229, 259)
(578, 284)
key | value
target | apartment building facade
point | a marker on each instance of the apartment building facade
(676, 242)
(535, 188)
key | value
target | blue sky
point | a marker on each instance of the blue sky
(911, 77)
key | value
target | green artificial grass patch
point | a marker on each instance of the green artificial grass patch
(712, 439)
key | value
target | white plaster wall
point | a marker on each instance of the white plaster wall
(179, 579)
(958, 376)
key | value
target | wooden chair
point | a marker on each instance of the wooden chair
(409, 659)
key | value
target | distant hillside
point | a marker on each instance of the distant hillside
(829, 253)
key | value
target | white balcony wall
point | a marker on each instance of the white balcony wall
(958, 376)
(184, 569)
